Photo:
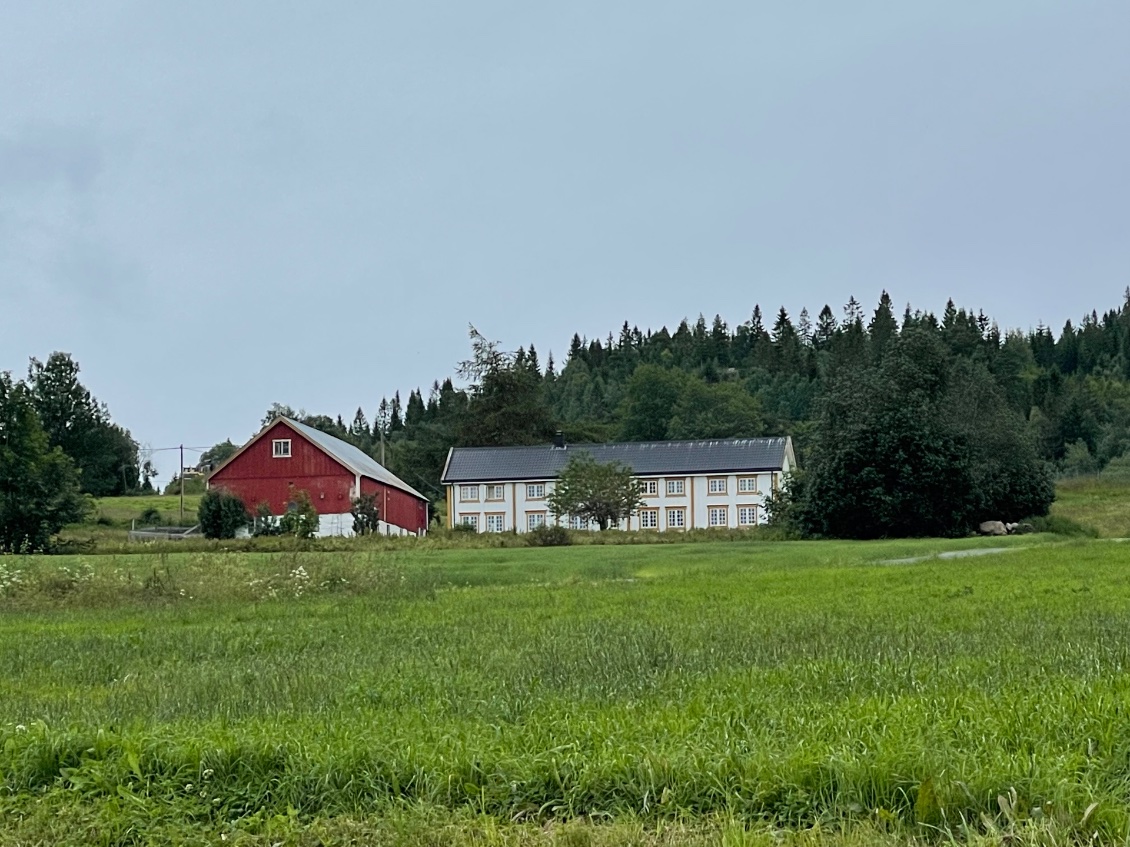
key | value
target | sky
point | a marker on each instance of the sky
(217, 206)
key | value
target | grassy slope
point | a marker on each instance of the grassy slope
(1095, 502)
(686, 693)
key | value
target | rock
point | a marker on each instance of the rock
(1024, 528)
(1011, 527)
(992, 528)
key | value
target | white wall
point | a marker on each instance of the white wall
(516, 506)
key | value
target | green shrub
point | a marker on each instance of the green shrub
(150, 517)
(221, 514)
(1061, 525)
(549, 535)
(301, 518)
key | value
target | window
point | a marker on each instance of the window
(280, 448)
(496, 492)
(649, 519)
(676, 518)
(747, 485)
(496, 523)
(676, 487)
(719, 516)
(468, 493)
(577, 522)
(649, 487)
(716, 485)
(471, 521)
(747, 515)
(535, 519)
(535, 491)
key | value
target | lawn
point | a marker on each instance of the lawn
(805, 692)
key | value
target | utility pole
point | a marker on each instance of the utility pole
(181, 475)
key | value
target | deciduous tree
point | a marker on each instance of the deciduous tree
(604, 493)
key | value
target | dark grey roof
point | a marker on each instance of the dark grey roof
(645, 458)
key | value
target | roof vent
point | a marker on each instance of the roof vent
(559, 441)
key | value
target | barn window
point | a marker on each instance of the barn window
(280, 448)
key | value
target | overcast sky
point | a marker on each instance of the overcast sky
(214, 205)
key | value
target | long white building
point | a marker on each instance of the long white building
(685, 484)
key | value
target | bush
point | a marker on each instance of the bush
(301, 518)
(221, 514)
(1061, 525)
(549, 535)
(150, 517)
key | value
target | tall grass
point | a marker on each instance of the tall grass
(717, 691)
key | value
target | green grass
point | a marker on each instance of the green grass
(1095, 502)
(699, 693)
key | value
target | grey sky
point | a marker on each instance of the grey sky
(221, 205)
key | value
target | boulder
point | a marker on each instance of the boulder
(992, 528)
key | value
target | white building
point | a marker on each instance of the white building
(719, 483)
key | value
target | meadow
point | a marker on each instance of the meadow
(733, 693)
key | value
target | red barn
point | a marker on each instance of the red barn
(288, 454)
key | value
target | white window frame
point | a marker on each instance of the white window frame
(496, 521)
(578, 523)
(747, 485)
(496, 492)
(752, 509)
(681, 512)
(463, 498)
(534, 520)
(473, 520)
(649, 514)
(676, 488)
(649, 487)
(534, 487)
(280, 448)
(714, 511)
(717, 485)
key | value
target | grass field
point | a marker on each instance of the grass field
(740, 693)
(1095, 502)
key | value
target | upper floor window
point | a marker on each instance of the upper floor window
(717, 485)
(468, 493)
(535, 491)
(280, 448)
(496, 492)
(676, 487)
(649, 487)
(747, 485)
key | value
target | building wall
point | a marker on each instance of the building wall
(257, 476)
(513, 510)
(398, 508)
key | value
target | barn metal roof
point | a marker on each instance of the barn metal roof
(352, 457)
(645, 458)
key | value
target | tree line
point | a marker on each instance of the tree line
(761, 377)
(1065, 400)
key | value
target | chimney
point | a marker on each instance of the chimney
(559, 441)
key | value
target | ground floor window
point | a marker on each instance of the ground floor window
(747, 515)
(676, 518)
(719, 516)
(471, 521)
(649, 518)
(535, 519)
(496, 523)
(577, 522)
